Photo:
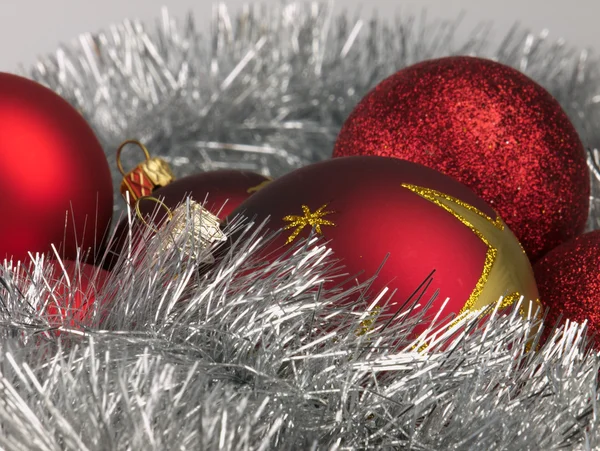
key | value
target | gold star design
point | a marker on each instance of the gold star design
(309, 219)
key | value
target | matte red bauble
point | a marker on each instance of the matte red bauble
(425, 221)
(489, 127)
(54, 174)
(568, 278)
(74, 292)
(220, 192)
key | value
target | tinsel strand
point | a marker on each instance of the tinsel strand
(270, 88)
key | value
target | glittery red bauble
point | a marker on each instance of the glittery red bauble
(489, 127)
(368, 207)
(54, 174)
(220, 192)
(74, 292)
(568, 278)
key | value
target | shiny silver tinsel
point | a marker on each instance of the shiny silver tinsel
(251, 357)
(269, 89)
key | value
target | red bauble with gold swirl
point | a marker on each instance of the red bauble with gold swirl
(487, 126)
(369, 207)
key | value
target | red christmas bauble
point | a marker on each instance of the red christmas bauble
(568, 278)
(74, 291)
(425, 220)
(220, 192)
(489, 127)
(56, 182)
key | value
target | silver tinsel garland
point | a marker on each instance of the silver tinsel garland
(251, 357)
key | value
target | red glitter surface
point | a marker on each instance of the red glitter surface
(489, 127)
(569, 282)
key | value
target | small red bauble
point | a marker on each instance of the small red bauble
(74, 292)
(367, 207)
(56, 183)
(568, 278)
(220, 192)
(489, 127)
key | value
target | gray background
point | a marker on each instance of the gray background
(29, 28)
